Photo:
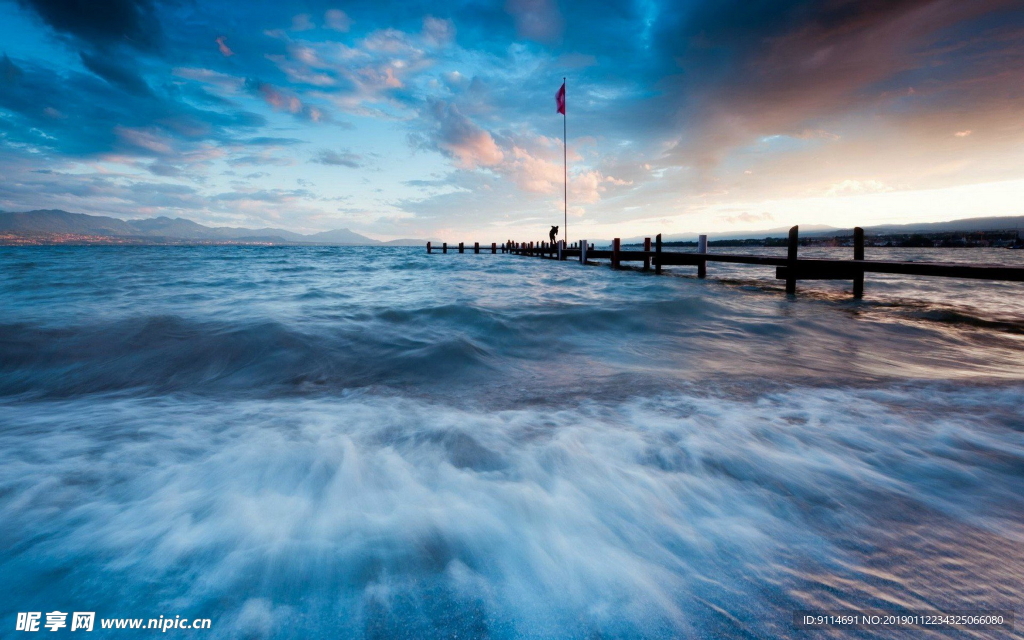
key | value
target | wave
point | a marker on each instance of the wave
(378, 517)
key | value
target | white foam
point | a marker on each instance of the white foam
(366, 513)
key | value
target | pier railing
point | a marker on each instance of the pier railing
(790, 268)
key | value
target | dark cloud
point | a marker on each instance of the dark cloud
(103, 22)
(9, 71)
(79, 114)
(114, 72)
(753, 68)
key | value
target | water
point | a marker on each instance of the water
(378, 443)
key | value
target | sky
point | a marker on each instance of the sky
(437, 119)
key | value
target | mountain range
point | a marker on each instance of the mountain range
(992, 223)
(49, 224)
(54, 222)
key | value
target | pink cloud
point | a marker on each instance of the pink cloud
(285, 101)
(144, 139)
(222, 45)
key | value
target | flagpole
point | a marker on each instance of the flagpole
(565, 176)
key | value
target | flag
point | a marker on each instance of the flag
(560, 100)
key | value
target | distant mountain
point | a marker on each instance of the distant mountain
(408, 242)
(54, 222)
(992, 223)
(339, 236)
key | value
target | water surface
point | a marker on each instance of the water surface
(378, 443)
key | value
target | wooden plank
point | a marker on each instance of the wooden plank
(832, 272)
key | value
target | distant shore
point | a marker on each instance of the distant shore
(83, 240)
(940, 240)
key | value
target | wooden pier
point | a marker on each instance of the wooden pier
(790, 268)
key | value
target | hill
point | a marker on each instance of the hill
(991, 223)
(56, 224)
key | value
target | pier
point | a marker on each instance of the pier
(790, 268)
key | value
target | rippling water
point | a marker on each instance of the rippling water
(378, 443)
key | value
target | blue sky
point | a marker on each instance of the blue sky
(420, 119)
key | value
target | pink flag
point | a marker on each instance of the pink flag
(560, 99)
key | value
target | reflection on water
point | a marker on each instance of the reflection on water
(305, 442)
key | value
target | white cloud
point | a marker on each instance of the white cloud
(856, 187)
(337, 20)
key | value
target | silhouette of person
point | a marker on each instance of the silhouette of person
(552, 234)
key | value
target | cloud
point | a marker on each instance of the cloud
(858, 187)
(147, 140)
(335, 158)
(283, 100)
(114, 72)
(80, 114)
(437, 31)
(457, 137)
(792, 65)
(337, 20)
(9, 71)
(748, 217)
(685, 103)
(222, 46)
(302, 22)
(536, 19)
(131, 23)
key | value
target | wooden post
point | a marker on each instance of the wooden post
(462, 249)
(476, 247)
(657, 254)
(560, 257)
(494, 247)
(794, 245)
(647, 249)
(616, 243)
(428, 247)
(444, 247)
(858, 254)
(702, 247)
(583, 252)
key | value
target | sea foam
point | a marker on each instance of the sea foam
(380, 516)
